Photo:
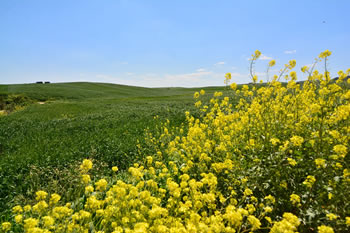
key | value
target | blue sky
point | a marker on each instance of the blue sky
(165, 43)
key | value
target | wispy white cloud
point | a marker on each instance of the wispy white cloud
(220, 63)
(199, 78)
(264, 57)
(290, 51)
(129, 73)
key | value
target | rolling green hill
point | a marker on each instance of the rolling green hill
(85, 90)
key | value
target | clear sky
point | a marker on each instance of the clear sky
(165, 43)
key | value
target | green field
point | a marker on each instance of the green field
(41, 143)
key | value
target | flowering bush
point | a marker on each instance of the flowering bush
(273, 158)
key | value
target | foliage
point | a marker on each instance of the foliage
(277, 160)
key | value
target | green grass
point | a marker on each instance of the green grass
(101, 121)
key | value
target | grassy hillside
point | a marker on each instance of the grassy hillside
(84, 90)
(101, 121)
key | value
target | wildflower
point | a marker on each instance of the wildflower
(48, 221)
(115, 168)
(293, 74)
(228, 76)
(30, 223)
(272, 63)
(289, 223)
(330, 195)
(27, 208)
(304, 69)
(233, 86)
(257, 54)
(325, 54)
(196, 95)
(347, 221)
(292, 64)
(6, 226)
(325, 229)
(310, 180)
(202, 92)
(248, 192)
(41, 195)
(292, 162)
(18, 218)
(89, 189)
(17, 209)
(86, 165)
(270, 198)
(295, 199)
(86, 178)
(274, 141)
(320, 163)
(331, 216)
(254, 222)
(341, 150)
(101, 185)
(54, 198)
(297, 140)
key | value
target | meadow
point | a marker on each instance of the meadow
(270, 157)
(40, 143)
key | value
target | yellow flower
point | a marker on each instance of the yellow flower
(89, 189)
(115, 168)
(202, 92)
(6, 226)
(295, 199)
(86, 178)
(27, 208)
(272, 63)
(254, 222)
(292, 64)
(196, 95)
(320, 163)
(347, 221)
(17, 209)
(30, 223)
(325, 54)
(292, 162)
(86, 165)
(233, 86)
(54, 199)
(18, 218)
(304, 69)
(248, 192)
(325, 229)
(274, 141)
(48, 221)
(41, 195)
(270, 198)
(297, 140)
(331, 216)
(310, 180)
(341, 150)
(257, 54)
(101, 185)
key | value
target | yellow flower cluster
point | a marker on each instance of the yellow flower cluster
(246, 164)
